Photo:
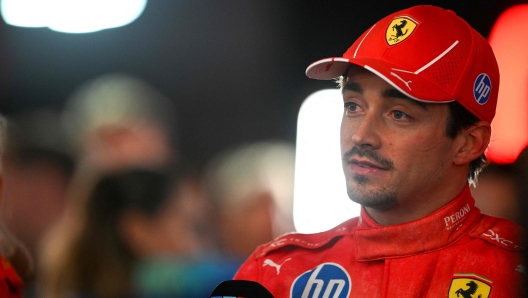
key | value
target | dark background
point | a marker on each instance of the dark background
(235, 69)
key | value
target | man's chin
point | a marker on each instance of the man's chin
(377, 199)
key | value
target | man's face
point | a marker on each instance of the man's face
(395, 153)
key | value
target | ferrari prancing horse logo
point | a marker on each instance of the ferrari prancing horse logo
(469, 288)
(400, 29)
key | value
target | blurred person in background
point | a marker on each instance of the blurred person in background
(251, 187)
(117, 120)
(117, 123)
(127, 234)
(498, 191)
(37, 167)
(15, 261)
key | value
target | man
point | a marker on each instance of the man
(420, 90)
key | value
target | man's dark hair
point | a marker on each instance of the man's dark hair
(459, 118)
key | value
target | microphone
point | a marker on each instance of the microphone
(241, 288)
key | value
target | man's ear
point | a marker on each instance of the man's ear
(473, 142)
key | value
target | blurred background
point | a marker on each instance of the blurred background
(171, 141)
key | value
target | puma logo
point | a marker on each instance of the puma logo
(407, 83)
(269, 262)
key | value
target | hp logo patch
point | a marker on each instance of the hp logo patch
(482, 88)
(328, 280)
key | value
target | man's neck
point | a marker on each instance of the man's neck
(429, 202)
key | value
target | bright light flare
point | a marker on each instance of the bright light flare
(320, 198)
(71, 16)
(509, 134)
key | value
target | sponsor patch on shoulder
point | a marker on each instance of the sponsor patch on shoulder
(496, 238)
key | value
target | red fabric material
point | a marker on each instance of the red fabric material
(423, 258)
(10, 282)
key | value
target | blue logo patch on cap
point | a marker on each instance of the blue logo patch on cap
(482, 88)
(326, 280)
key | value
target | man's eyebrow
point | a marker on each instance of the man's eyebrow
(352, 86)
(387, 93)
(397, 94)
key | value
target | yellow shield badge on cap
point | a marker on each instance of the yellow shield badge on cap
(469, 288)
(399, 30)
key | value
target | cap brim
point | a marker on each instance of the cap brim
(327, 69)
(406, 81)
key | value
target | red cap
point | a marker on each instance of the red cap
(429, 54)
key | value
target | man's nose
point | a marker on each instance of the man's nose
(366, 133)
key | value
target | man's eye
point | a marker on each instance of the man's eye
(399, 115)
(351, 107)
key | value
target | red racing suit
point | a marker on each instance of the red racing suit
(454, 252)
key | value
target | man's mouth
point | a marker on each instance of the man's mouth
(365, 167)
(365, 164)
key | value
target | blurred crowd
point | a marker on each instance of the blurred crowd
(96, 200)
